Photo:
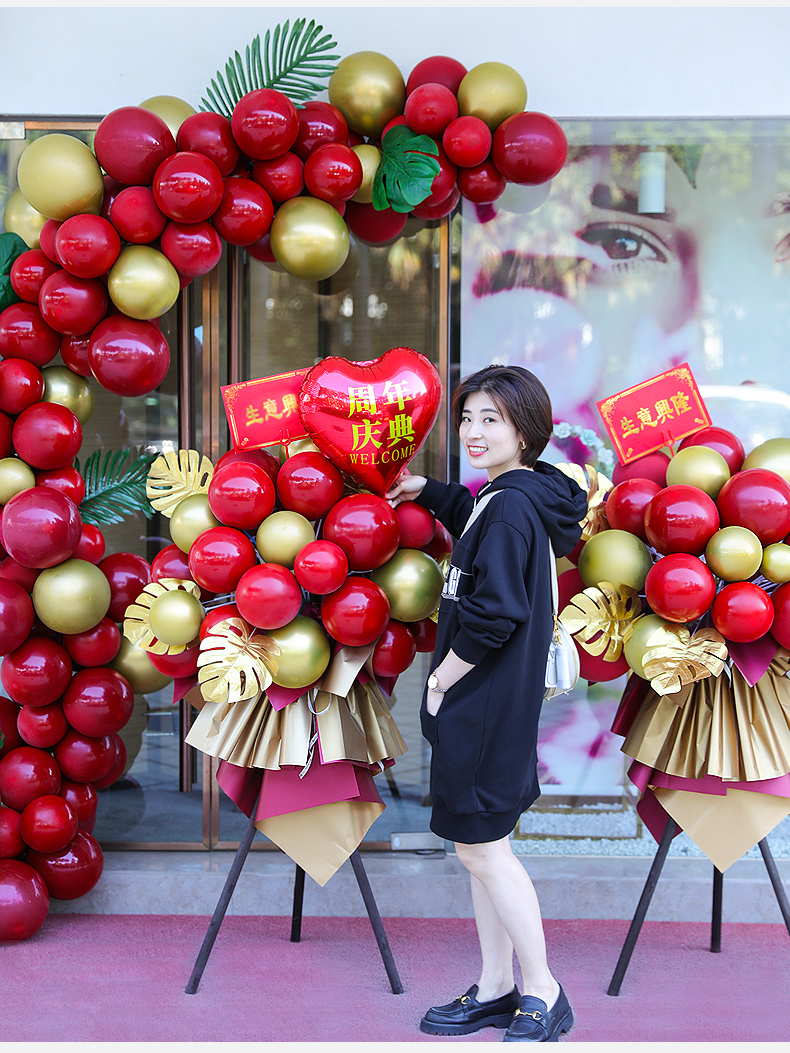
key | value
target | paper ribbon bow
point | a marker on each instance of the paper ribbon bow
(175, 476)
(672, 664)
(137, 617)
(599, 617)
(235, 663)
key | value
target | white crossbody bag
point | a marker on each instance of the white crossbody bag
(562, 664)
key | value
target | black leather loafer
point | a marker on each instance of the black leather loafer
(534, 1022)
(465, 1014)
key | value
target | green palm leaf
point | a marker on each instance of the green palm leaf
(406, 171)
(297, 63)
(115, 486)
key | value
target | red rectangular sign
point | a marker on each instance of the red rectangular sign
(658, 412)
(264, 412)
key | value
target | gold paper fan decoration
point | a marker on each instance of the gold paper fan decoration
(600, 616)
(235, 662)
(137, 617)
(174, 476)
(671, 665)
(596, 486)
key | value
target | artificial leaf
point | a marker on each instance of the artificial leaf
(444, 564)
(11, 248)
(235, 662)
(137, 616)
(672, 664)
(599, 617)
(115, 486)
(596, 486)
(175, 476)
(687, 158)
(406, 170)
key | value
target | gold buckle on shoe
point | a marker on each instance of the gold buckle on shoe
(535, 1016)
(463, 999)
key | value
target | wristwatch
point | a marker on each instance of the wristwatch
(433, 684)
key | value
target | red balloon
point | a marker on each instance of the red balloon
(481, 183)
(24, 900)
(759, 500)
(651, 466)
(720, 440)
(11, 843)
(48, 824)
(260, 457)
(74, 352)
(128, 356)
(424, 633)
(780, 627)
(27, 773)
(441, 545)
(595, 670)
(171, 562)
(282, 177)
(681, 518)
(96, 646)
(319, 123)
(308, 483)
(417, 524)
(429, 109)
(46, 240)
(83, 800)
(9, 733)
(98, 702)
(245, 212)
(366, 528)
(569, 584)
(67, 481)
(467, 141)
(216, 615)
(321, 567)
(87, 245)
(118, 765)
(72, 305)
(209, 134)
(268, 596)
(443, 184)
(680, 588)
(626, 504)
(219, 558)
(374, 226)
(130, 144)
(84, 758)
(25, 334)
(262, 250)
(42, 726)
(16, 616)
(47, 435)
(395, 650)
(529, 148)
(91, 545)
(136, 215)
(440, 209)
(25, 577)
(241, 494)
(357, 613)
(73, 871)
(177, 665)
(111, 190)
(192, 248)
(6, 425)
(400, 119)
(128, 574)
(264, 124)
(742, 612)
(28, 272)
(188, 187)
(37, 672)
(333, 172)
(437, 69)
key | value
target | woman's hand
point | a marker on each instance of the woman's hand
(406, 488)
(433, 701)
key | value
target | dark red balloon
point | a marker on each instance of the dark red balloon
(74, 352)
(219, 558)
(366, 528)
(47, 435)
(84, 758)
(9, 733)
(46, 240)
(626, 504)
(6, 424)
(680, 588)
(87, 246)
(429, 109)
(481, 183)
(82, 798)
(16, 616)
(651, 466)
(27, 773)
(42, 726)
(742, 612)
(437, 69)
(128, 356)
(209, 134)
(681, 518)
(333, 172)
(192, 248)
(374, 226)
(268, 596)
(529, 148)
(37, 672)
(11, 570)
(25, 334)
(720, 440)
(24, 900)
(91, 544)
(72, 305)
(94, 647)
(130, 144)
(467, 142)
(28, 272)
(136, 215)
(111, 190)
(438, 210)
(188, 187)
(260, 457)
(417, 524)
(11, 843)
(241, 494)
(759, 500)
(67, 481)
(441, 545)
(48, 824)
(264, 123)
(73, 871)
(171, 562)
(321, 567)
(177, 665)
(216, 615)
(443, 183)
(596, 670)
(424, 633)
(282, 177)
(128, 574)
(118, 765)
(319, 123)
(357, 613)
(98, 702)
(308, 483)
(245, 213)
(395, 650)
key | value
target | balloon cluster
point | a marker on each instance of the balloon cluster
(697, 546)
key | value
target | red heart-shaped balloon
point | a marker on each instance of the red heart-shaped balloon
(371, 418)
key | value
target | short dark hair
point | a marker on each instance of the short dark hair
(522, 399)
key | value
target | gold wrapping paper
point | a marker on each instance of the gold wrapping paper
(343, 669)
(252, 734)
(357, 727)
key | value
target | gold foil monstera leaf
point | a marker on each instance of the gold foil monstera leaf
(672, 664)
(235, 662)
(599, 617)
(175, 476)
(596, 486)
(444, 564)
(137, 616)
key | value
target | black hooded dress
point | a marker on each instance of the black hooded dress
(495, 613)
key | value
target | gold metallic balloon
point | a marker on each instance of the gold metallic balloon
(343, 279)
(175, 617)
(282, 535)
(648, 631)
(775, 563)
(370, 159)
(492, 91)
(143, 283)
(773, 455)
(189, 519)
(699, 466)
(172, 110)
(369, 90)
(133, 663)
(65, 387)
(413, 582)
(19, 217)
(309, 238)
(60, 177)
(734, 553)
(304, 652)
(617, 557)
(72, 596)
(297, 446)
(15, 476)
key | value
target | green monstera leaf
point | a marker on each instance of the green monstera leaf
(409, 164)
(11, 248)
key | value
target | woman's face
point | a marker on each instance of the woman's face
(491, 441)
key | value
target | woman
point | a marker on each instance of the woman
(482, 702)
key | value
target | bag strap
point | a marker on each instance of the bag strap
(555, 591)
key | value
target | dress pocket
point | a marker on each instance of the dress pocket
(428, 724)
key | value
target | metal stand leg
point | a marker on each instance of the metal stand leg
(296, 916)
(776, 881)
(644, 902)
(715, 918)
(375, 921)
(394, 788)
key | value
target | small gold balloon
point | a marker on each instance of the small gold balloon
(143, 283)
(304, 652)
(190, 518)
(309, 238)
(65, 387)
(133, 663)
(647, 631)
(172, 110)
(282, 535)
(370, 159)
(772, 455)
(175, 617)
(775, 563)
(617, 557)
(71, 597)
(60, 177)
(15, 476)
(369, 90)
(413, 582)
(19, 217)
(699, 466)
(492, 91)
(734, 553)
